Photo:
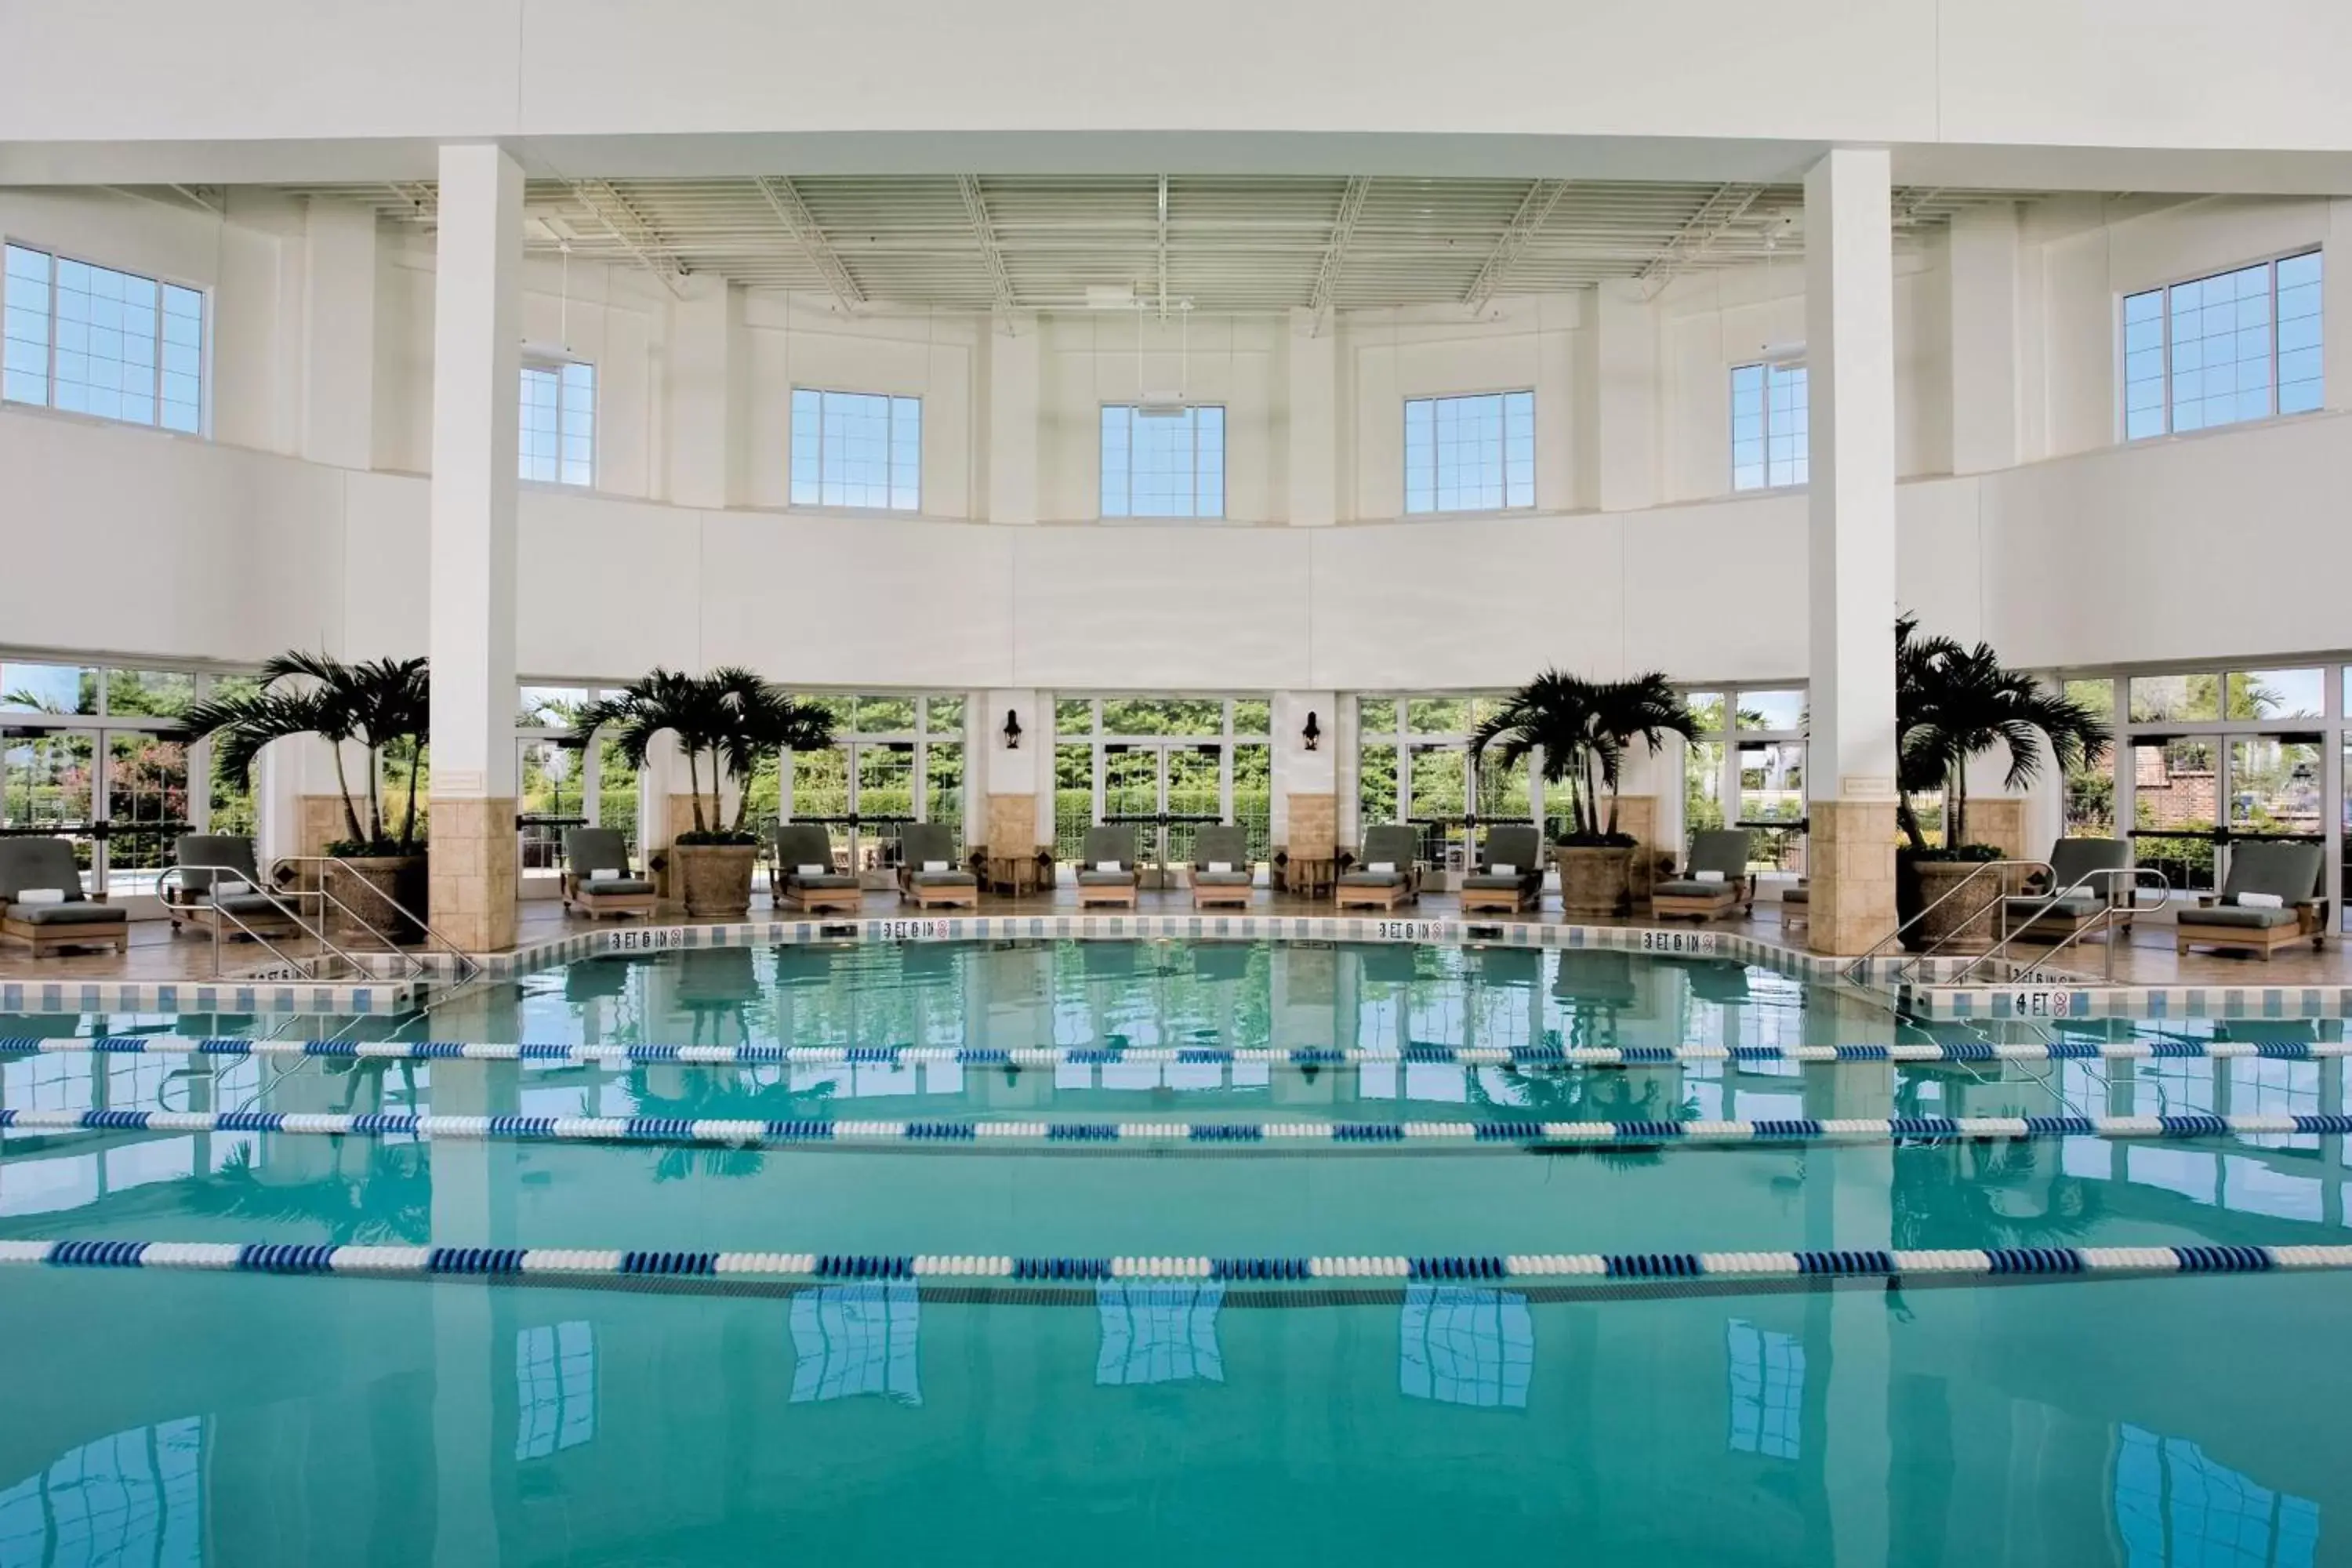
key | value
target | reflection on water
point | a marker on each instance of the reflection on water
(168, 1419)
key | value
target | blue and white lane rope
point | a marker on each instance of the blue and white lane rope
(561, 1055)
(480, 1262)
(1289, 1135)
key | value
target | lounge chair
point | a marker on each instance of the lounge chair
(1394, 845)
(1796, 906)
(927, 873)
(1510, 871)
(73, 919)
(200, 890)
(1226, 848)
(597, 879)
(801, 874)
(2072, 861)
(1106, 867)
(1714, 881)
(2290, 873)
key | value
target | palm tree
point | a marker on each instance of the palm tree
(729, 714)
(1584, 729)
(1952, 702)
(380, 705)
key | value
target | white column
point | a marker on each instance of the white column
(477, 370)
(339, 333)
(1012, 369)
(1314, 422)
(1849, 354)
(1984, 316)
(1622, 434)
(705, 444)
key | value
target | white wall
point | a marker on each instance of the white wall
(2225, 546)
(1088, 360)
(1968, 84)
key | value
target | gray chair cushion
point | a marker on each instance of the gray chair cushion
(76, 914)
(802, 843)
(828, 882)
(2290, 871)
(1394, 842)
(1108, 841)
(2071, 860)
(2073, 905)
(38, 863)
(254, 906)
(1724, 849)
(1228, 844)
(1221, 879)
(196, 853)
(922, 841)
(1684, 888)
(942, 878)
(1518, 847)
(1487, 881)
(2248, 919)
(633, 884)
(1090, 878)
(587, 849)
(1372, 880)
(1796, 895)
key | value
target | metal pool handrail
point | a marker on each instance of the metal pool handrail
(2105, 921)
(1859, 970)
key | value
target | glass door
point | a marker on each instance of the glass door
(883, 800)
(1439, 782)
(146, 809)
(1132, 782)
(1192, 789)
(2276, 792)
(47, 784)
(821, 794)
(2174, 789)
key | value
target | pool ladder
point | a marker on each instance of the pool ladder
(2102, 881)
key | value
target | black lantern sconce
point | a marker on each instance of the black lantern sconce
(1012, 730)
(1313, 732)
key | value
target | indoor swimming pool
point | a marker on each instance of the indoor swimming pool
(1040, 1252)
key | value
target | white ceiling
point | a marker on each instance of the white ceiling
(1219, 243)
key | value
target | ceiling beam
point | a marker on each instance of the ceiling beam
(1163, 248)
(784, 200)
(1541, 197)
(630, 230)
(1725, 206)
(1335, 250)
(975, 207)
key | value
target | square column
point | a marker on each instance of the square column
(1850, 357)
(476, 399)
(1305, 806)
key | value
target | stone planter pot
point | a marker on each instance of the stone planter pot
(367, 888)
(1967, 920)
(1593, 878)
(714, 880)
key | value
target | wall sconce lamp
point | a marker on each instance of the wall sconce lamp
(1313, 732)
(1012, 730)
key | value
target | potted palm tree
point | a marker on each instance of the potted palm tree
(385, 706)
(725, 722)
(1584, 729)
(1953, 702)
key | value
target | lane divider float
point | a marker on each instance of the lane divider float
(1416, 1054)
(505, 1262)
(1203, 1136)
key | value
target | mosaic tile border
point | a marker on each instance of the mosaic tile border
(2046, 1001)
(242, 997)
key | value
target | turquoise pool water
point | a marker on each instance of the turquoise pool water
(238, 1418)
